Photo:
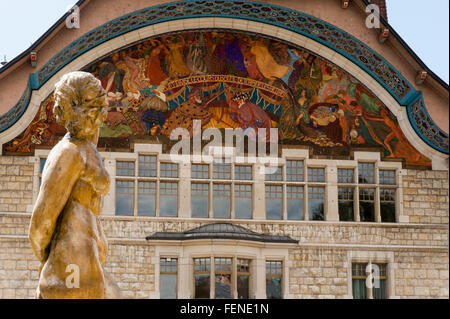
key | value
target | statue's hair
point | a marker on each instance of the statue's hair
(74, 93)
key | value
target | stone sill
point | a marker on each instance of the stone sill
(252, 221)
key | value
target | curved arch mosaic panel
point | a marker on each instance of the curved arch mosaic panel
(298, 22)
(233, 80)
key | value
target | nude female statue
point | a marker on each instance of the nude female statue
(65, 231)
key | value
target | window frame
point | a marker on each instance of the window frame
(169, 273)
(281, 276)
(211, 181)
(374, 257)
(137, 178)
(370, 290)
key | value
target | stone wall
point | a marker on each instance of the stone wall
(421, 274)
(129, 264)
(318, 273)
(425, 196)
(16, 183)
(318, 267)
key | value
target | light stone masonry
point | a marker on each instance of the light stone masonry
(318, 266)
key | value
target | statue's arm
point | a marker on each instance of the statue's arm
(62, 171)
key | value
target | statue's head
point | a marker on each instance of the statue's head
(80, 104)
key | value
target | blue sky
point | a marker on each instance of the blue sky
(424, 25)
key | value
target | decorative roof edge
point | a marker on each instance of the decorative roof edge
(318, 30)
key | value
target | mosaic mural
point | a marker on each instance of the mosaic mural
(233, 80)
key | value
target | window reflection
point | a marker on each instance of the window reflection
(366, 173)
(146, 198)
(294, 202)
(273, 279)
(243, 278)
(200, 200)
(147, 165)
(124, 198)
(367, 204)
(221, 200)
(200, 171)
(387, 205)
(242, 172)
(168, 278)
(316, 197)
(168, 199)
(345, 204)
(124, 168)
(202, 278)
(243, 201)
(294, 171)
(274, 195)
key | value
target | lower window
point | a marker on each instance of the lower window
(273, 279)
(223, 278)
(168, 278)
(224, 271)
(365, 287)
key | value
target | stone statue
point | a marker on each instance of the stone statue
(65, 231)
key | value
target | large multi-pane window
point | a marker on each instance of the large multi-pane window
(364, 287)
(168, 278)
(225, 195)
(372, 198)
(149, 191)
(290, 196)
(274, 275)
(295, 190)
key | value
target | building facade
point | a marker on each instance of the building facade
(339, 188)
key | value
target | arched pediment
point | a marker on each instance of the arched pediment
(333, 50)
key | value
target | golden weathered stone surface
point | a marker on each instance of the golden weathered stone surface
(65, 231)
